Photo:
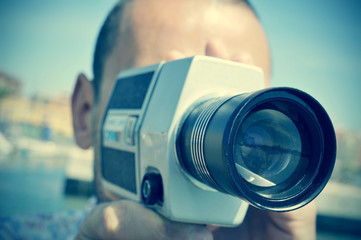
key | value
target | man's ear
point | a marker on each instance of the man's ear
(81, 104)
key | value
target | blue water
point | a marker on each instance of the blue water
(31, 189)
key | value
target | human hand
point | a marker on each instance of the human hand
(125, 219)
(259, 224)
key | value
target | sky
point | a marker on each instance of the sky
(315, 46)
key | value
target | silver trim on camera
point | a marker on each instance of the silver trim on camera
(197, 136)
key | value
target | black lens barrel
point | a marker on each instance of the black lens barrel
(207, 142)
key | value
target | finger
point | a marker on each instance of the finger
(216, 48)
(304, 214)
(129, 220)
(243, 57)
(300, 222)
(174, 55)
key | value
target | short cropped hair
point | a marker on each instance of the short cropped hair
(105, 44)
(107, 39)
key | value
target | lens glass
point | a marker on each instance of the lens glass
(268, 148)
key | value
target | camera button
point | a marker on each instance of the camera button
(130, 130)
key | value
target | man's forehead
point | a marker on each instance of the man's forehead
(184, 12)
(185, 25)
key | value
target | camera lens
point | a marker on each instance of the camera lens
(267, 148)
(275, 148)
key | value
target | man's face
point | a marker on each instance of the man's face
(157, 30)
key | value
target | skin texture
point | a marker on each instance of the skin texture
(157, 30)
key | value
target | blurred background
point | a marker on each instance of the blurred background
(315, 45)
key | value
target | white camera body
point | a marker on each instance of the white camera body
(139, 131)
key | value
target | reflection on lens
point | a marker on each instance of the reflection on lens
(267, 148)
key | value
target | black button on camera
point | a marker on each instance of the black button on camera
(152, 189)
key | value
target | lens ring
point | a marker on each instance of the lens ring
(197, 138)
(298, 191)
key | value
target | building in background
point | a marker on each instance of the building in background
(9, 86)
(38, 111)
(37, 132)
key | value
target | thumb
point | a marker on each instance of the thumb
(129, 220)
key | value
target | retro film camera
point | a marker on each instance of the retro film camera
(198, 139)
